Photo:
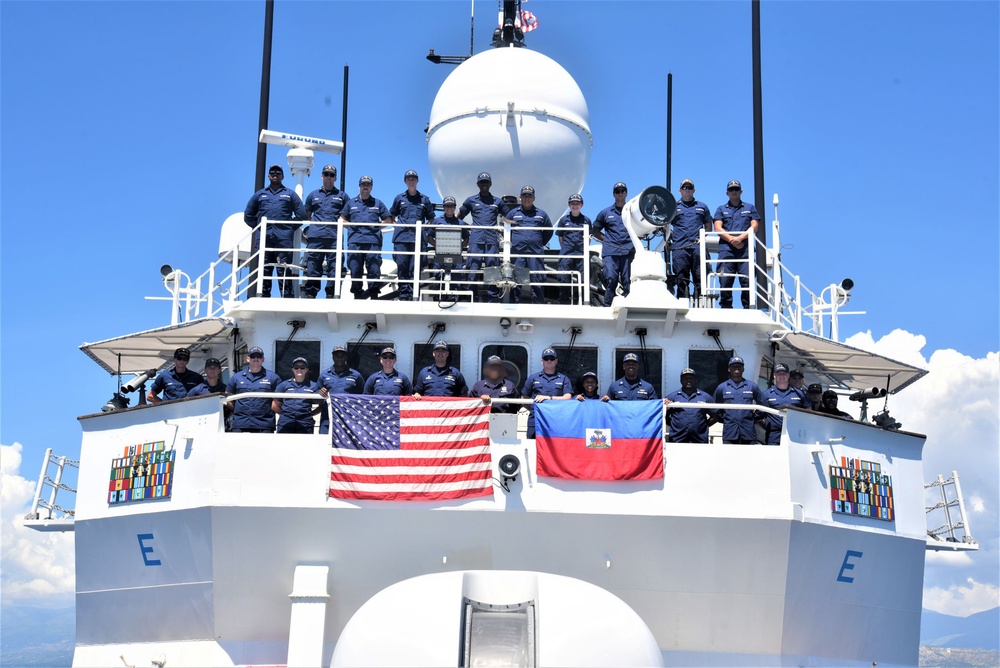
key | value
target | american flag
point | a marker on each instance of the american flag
(528, 21)
(402, 448)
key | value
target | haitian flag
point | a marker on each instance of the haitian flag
(600, 440)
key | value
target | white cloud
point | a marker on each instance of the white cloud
(962, 600)
(38, 568)
(957, 405)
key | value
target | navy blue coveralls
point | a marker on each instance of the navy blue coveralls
(775, 398)
(445, 381)
(735, 219)
(204, 388)
(505, 389)
(324, 206)
(737, 426)
(175, 385)
(685, 254)
(543, 384)
(391, 384)
(408, 210)
(625, 390)
(617, 251)
(524, 240)
(348, 381)
(296, 414)
(570, 235)
(689, 425)
(253, 415)
(484, 239)
(364, 237)
(282, 204)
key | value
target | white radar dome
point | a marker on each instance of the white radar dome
(519, 116)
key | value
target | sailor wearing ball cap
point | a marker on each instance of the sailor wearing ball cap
(388, 380)
(689, 425)
(177, 382)
(440, 379)
(253, 414)
(485, 209)
(323, 207)
(589, 384)
(528, 243)
(495, 386)
(630, 387)
(546, 384)
(213, 380)
(365, 234)
(569, 230)
(296, 415)
(408, 208)
(617, 249)
(338, 379)
(278, 203)
(685, 254)
(738, 425)
(777, 396)
(736, 222)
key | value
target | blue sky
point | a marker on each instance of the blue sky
(129, 135)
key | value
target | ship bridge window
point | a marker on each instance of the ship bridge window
(576, 361)
(498, 635)
(712, 367)
(765, 373)
(286, 351)
(650, 367)
(365, 356)
(422, 357)
(515, 359)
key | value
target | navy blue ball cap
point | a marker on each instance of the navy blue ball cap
(620, 185)
(589, 374)
(441, 345)
(275, 169)
(340, 349)
(365, 181)
(734, 184)
(687, 182)
(410, 173)
(256, 350)
(688, 372)
(575, 199)
(484, 176)
(735, 360)
(550, 352)
(815, 388)
(213, 361)
(300, 360)
(450, 201)
(527, 190)
(494, 360)
(388, 351)
(779, 368)
(182, 353)
(330, 169)
(630, 357)
(797, 374)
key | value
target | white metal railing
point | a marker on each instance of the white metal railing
(948, 531)
(56, 484)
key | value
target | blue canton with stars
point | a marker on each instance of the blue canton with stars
(365, 422)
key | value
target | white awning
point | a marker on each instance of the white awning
(154, 348)
(842, 365)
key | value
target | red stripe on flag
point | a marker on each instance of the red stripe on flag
(627, 459)
(361, 495)
(410, 478)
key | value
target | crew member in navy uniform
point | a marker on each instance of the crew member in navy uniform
(408, 208)
(570, 233)
(617, 249)
(254, 414)
(323, 207)
(365, 212)
(278, 203)
(689, 425)
(177, 382)
(814, 397)
(736, 222)
(338, 379)
(440, 379)
(544, 385)
(296, 415)
(212, 384)
(685, 254)
(588, 384)
(797, 380)
(485, 208)
(830, 405)
(449, 218)
(738, 425)
(630, 387)
(525, 240)
(495, 386)
(388, 381)
(778, 395)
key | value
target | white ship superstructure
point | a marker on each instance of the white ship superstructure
(229, 548)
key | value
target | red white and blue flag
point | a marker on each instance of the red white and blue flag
(527, 21)
(600, 440)
(403, 449)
